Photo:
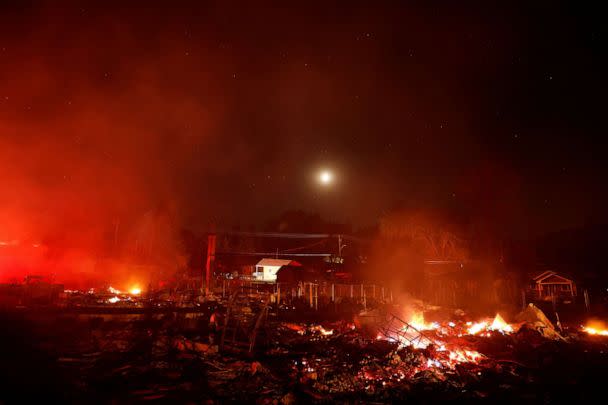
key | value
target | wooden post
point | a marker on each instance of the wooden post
(211, 243)
(310, 293)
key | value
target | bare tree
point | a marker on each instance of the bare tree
(432, 235)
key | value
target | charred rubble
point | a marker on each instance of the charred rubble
(231, 351)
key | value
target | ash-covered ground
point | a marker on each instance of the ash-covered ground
(172, 358)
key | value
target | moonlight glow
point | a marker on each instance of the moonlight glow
(325, 177)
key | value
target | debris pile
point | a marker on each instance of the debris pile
(156, 358)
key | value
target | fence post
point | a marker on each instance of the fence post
(310, 293)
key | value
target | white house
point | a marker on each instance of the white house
(267, 269)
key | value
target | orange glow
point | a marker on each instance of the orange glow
(598, 328)
(135, 290)
(114, 290)
(322, 330)
(418, 322)
(500, 325)
(326, 177)
(477, 327)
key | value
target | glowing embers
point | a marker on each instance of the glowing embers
(323, 331)
(114, 290)
(123, 296)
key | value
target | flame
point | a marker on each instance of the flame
(135, 290)
(418, 322)
(477, 327)
(113, 300)
(500, 325)
(596, 328)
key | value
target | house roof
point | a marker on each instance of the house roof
(551, 277)
(543, 274)
(277, 262)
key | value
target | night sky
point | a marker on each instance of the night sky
(226, 112)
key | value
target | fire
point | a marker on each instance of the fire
(418, 322)
(596, 328)
(135, 291)
(498, 325)
(322, 330)
(477, 327)
(113, 300)
(465, 356)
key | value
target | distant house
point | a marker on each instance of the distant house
(267, 269)
(550, 284)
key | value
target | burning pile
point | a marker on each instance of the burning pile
(110, 295)
(123, 295)
(596, 328)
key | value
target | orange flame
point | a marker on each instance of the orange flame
(418, 322)
(135, 290)
(498, 325)
(596, 328)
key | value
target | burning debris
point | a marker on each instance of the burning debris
(596, 328)
(177, 356)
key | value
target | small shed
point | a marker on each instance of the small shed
(550, 284)
(267, 269)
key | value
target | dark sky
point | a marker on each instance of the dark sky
(226, 111)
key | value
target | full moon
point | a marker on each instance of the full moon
(325, 177)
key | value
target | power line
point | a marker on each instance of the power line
(292, 235)
(273, 254)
